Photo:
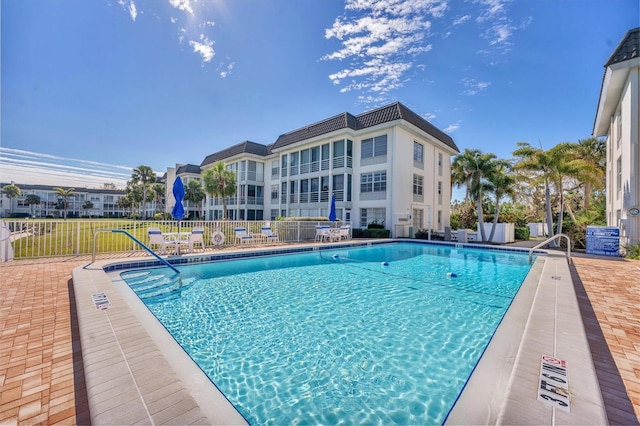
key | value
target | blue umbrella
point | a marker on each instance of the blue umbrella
(178, 192)
(332, 209)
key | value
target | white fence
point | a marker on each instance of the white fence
(32, 238)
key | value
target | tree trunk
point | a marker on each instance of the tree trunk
(587, 196)
(495, 221)
(547, 195)
(481, 218)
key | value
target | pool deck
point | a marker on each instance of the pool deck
(43, 364)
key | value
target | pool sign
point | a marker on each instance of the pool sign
(603, 240)
(553, 387)
(101, 301)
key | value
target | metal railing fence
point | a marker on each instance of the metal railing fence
(33, 238)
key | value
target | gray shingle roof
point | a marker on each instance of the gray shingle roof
(628, 48)
(395, 111)
(246, 147)
(188, 168)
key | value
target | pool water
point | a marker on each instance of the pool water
(379, 335)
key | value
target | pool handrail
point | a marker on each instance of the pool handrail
(140, 243)
(547, 241)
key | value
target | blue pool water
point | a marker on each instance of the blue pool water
(337, 336)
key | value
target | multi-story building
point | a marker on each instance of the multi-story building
(85, 202)
(618, 118)
(389, 166)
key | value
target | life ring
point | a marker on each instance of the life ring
(217, 238)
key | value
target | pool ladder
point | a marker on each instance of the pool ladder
(140, 243)
(547, 241)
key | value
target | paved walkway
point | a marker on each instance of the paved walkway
(42, 376)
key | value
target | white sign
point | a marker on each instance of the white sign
(101, 301)
(554, 383)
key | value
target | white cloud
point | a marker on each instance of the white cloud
(473, 87)
(182, 5)
(227, 71)
(429, 116)
(173, 20)
(27, 167)
(452, 127)
(381, 38)
(461, 19)
(204, 47)
(130, 7)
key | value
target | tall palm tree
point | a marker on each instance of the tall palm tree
(552, 167)
(501, 182)
(194, 193)
(11, 191)
(144, 176)
(220, 182)
(31, 200)
(65, 194)
(460, 174)
(593, 153)
(476, 166)
(158, 190)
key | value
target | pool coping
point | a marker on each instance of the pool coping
(130, 380)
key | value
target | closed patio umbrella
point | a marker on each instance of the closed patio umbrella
(178, 193)
(332, 209)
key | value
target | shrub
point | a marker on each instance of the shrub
(371, 233)
(375, 225)
(632, 252)
(522, 233)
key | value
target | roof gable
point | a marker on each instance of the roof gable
(628, 48)
(246, 147)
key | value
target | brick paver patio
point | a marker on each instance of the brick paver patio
(42, 377)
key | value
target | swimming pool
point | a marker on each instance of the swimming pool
(336, 336)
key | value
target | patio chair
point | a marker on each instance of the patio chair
(323, 233)
(267, 233)
(157, 239)
(243, 236)
(345, 232)
(196, 237)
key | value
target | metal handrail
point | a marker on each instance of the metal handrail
(120, 231)
(547, 241)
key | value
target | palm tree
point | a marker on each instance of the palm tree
(552, 167)
(11, 191)
(65, 194)
(31, 200)
(220, 182)
(194, 193)
(593, 153)
(501, 182)
(460, 175)
(158, 190)
(144, 176)
(88, 205)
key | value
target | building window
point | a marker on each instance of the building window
(439, 192)
(439, 220)
(418, 219)
(618, 128)
(374, 147)
(439, 164)
(619, 177)
(275, 169)
(418, 152)
(367, 216)
(274, 192)
(418, 183)
(373, 182)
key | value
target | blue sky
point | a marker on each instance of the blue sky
(98, 87)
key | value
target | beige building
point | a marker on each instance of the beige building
(618, 118)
